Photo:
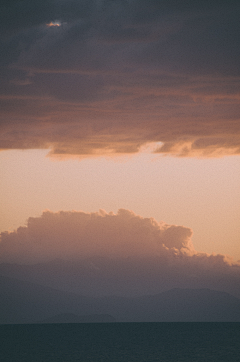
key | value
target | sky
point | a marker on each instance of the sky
(127, 107)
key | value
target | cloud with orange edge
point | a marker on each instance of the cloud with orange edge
(120, 76)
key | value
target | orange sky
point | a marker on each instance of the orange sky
(203, 195)
(131, 105)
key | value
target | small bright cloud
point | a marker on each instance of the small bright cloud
(54, 23)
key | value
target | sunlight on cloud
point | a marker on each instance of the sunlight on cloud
(54, 23)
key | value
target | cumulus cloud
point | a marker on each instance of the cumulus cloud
(104, 253)
(71, 235)
(79, 235)
(115, 76)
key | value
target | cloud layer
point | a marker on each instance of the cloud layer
(116, 76)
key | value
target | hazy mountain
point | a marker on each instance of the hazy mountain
(24, 302)
(189, 305)
(129, 277)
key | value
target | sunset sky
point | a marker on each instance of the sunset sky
(130, 105)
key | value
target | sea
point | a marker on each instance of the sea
(125, 342)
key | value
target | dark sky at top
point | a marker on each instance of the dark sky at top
(116, 75)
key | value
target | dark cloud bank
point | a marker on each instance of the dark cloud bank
(123, 254)
(117, 75)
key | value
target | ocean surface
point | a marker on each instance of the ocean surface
(178, 342)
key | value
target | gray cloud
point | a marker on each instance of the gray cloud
(134, 72)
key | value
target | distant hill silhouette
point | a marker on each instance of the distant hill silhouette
(130, 277)
(189, 305)
(24, 302)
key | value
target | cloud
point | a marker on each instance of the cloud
(104, 253)
(71, 235)
(116, 76)
(77, 235)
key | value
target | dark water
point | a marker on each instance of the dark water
(121, 342)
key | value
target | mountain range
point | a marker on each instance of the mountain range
(128, 277)
(26, 302)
